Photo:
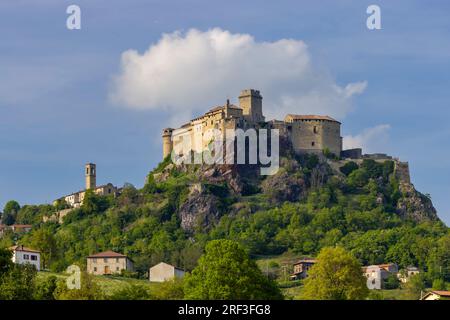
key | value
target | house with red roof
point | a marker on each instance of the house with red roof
(108, 263)
(437, 295)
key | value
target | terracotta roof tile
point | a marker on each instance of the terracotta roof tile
(107, 254)
(441, 293)
(22, 248)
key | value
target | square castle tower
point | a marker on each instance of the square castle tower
(307, 133)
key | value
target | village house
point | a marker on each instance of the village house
(16, 228)
(23, 255)
(21, 228)
(405, 275)
(108, 263)
(436, 295)
(163, 272)
(376, 274)
(3, 229)
(301, 268)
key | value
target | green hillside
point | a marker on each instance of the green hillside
(309, 204)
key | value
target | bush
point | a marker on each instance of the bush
(439, 284)
(131, 292)
(349, 167)
(391, 282)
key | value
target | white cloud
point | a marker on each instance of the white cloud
(187, 73)
(372, 140)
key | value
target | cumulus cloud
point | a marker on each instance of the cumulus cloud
(185, 73)
(372, 140)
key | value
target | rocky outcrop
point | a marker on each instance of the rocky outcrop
(284, 186)
(414, 205)
(200, 210)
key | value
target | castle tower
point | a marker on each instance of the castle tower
(90, 174)
(167, 142)
(250, 101)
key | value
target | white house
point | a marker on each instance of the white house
(24, 255)
(376, 274)
(163, 272)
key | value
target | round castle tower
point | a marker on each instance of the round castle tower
(167, 142)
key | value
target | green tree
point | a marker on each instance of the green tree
(131, 292)
(170, 290)
(89, 290)
(336, 276)
(45, 288)
(44, 240)
(349, 167)
(10, 212)
(439, 284)
(391, 282)
(93, 203)
(5, 261)
(18, 283)
(224, 272)
(415, 286)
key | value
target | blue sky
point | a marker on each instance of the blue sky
(56, 111)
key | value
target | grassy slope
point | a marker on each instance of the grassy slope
(109, 284)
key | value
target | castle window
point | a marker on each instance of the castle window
(313, 144)
(315, 129)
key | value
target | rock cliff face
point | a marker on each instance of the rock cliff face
(414, 205)
(203, 206)
(200, 210)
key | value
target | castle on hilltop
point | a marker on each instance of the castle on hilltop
(307, 133)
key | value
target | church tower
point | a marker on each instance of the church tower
(90, 174)
(250, 101)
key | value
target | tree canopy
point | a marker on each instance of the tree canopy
(337, 275)
(225, 271)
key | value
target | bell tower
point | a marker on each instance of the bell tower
(90, 173)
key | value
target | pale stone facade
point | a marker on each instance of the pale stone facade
(308, 133)
(75, 199)
(164, 272)
(108, 263)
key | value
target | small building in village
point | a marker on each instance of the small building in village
(16, 228)
(23, 255)
(376, 274)
(21, 228)
(301, 268)
(406, 274)
(436, 295)
(108, 263)
(163, 272)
